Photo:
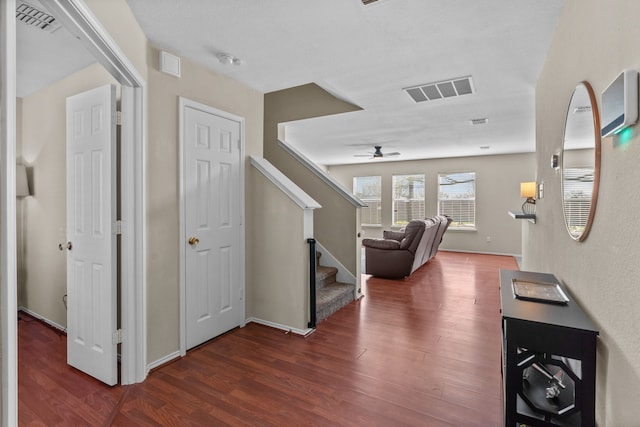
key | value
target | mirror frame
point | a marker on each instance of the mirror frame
(596, 167)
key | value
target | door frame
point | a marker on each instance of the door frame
(8, 252)
(184, 103)
(80, 21)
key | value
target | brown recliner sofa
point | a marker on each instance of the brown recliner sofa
(400, 253)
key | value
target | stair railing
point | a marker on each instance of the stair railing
(312, 283)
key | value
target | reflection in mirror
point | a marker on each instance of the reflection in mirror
(581, 162)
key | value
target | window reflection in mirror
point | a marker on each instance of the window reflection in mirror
(581, 162)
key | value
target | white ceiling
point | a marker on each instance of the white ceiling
(367, 55)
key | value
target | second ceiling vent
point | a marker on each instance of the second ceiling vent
(35, 17)
(442, 89)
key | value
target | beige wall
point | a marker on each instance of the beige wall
(278, 295)
(43, 148)
(201, 85)
(595, 41)
(497, 191)
(330, 228)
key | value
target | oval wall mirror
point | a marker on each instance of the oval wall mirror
(581, 162)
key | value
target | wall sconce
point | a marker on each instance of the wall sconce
(528, 192)
(22, 184)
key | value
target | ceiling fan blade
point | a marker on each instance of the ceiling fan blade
(377, 154)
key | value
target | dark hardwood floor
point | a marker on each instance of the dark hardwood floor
(424, 351)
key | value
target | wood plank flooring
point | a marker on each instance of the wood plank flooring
(424, 351)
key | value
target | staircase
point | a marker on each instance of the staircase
(331, 295)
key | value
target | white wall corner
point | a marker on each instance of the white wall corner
(293, 191)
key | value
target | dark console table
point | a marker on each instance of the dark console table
(548, 357)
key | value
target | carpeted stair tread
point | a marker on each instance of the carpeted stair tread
(333, 297)
(325, 276)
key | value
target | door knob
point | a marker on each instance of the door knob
(193, 241)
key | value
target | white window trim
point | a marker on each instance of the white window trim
(379, 200)
(475, 205)
(393, 210)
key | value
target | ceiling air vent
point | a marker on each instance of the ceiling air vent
(366, 2)
(443, 89)
(34, 17)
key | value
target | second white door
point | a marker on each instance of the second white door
(212, 221)
(91, 246)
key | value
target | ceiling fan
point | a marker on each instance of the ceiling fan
(377, 154)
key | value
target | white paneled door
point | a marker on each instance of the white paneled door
(211, 176)
(91, 241)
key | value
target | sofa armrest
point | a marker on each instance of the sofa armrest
(393, 235)
(381, 243)
(388, 264)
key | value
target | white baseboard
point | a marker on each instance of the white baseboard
(43, 319)
(166, 359)
(288, 329)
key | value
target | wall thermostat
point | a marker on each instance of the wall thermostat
(620, 103)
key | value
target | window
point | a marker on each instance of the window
(408, 198)
(369, 190)
(457, 198)
(578, 188)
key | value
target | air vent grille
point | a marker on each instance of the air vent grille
(32, 16)
(442, 89)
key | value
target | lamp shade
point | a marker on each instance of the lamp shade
(528, 190)
(22, 184)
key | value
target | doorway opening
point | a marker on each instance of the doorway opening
(82, 24)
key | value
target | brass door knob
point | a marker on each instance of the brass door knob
(193, 241)
(69, 245)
